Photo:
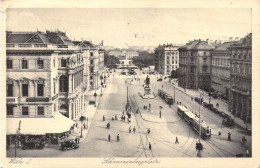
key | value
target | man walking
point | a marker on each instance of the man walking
(130, 129)
(109, 138)
(176, 141)
(160, 114)
(118, 139)
(134, 129)
(229, 136)
(150, 146)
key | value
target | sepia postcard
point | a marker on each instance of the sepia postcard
(130, 84)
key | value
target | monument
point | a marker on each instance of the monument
(147, 89)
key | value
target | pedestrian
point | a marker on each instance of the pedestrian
(160, 114)
(219, 133)
(244, 140)
(177, 102)
(247, 153)
(229, 136)
(134, 129)
(149, 105)
(176, 141)
(150, 146)
(148, 131)
(117, 138)
(109, 138)
(104, 119)
(116, 117)
(113, 118)
(76, 139)
(130, 129)
(84, 125)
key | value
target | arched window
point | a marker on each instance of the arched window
(63, 83)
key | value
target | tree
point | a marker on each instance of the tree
(175, 74)
(110, 60)
(144, 59)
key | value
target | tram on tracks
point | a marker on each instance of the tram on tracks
(165, 96)
(194, 122)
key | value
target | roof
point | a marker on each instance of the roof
(182, 108)
(27, 37)
(197, 45)
(224, 46)
(37, 126)
(246, 41)
(58, 37)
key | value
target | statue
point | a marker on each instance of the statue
(147, 81)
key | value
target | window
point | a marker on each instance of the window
(91, 70)
(91, 83)
(54, 86)
(63, 84)
(40, 64)
(9, 64)
(54, 62)
(25, 110)
(204, 69)
(63, 63)
(40, 110)
(39, 89)
(24, 64)
(10, 110)
(24, 90)
(204, 53)
(91, 62)
(91, 77)
(204, 60)
(9, 90)
(91, 53)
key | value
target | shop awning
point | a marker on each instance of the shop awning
(39, 126)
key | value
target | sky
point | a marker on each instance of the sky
(120, 27)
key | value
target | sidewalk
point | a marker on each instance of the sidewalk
(223, 106)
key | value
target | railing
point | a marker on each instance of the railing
(11, 100)
(40, 46)
(63, 94)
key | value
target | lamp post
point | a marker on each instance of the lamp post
(199, 144)
(174, 95)
(17, 133)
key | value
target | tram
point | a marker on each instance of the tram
(194, 122)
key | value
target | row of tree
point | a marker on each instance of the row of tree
(144, 59)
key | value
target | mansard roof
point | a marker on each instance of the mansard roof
(27, 37)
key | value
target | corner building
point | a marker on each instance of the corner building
(241, 78)
(195, 64)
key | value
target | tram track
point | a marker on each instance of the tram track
(152, 137)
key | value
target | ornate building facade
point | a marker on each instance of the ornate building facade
(241, 78)
(221, 70)
(44, 75)
(195, 64)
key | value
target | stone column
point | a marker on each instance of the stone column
(70, 84)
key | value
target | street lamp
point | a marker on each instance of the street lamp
(174, 95)
(95, 95)
(199, 145)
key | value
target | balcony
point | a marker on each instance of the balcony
(63, 95)
(12, 100)
(40, 47)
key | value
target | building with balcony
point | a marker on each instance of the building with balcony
(44, 69)
(241, 78)
(32, 84)
(221, 70)
(166, 59)
(195, 64)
